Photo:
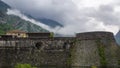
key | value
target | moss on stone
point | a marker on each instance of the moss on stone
(71, 55)
(69, 59)
(119, 62)
(93, 66)
(101, 52)
(68, 63)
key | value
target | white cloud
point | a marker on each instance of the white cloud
(22, 16)
(75, 15)
(92, 3)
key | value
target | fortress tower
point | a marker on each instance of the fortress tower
(95, 48)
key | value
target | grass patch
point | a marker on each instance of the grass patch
(23, 66)
(93, 66)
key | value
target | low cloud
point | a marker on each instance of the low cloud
(22, 16)
(76, 16)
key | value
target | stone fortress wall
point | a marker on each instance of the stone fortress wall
(86, 49)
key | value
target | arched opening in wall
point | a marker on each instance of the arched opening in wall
(38, 45)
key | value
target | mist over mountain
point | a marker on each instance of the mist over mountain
(12, 22)
(49, 22)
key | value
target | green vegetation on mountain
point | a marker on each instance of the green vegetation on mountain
(20, 24)
(11, 22)
(5, 27)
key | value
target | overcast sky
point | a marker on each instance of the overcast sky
(76, 15)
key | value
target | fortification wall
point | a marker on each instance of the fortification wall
(86, 49)
(44, 51)
(11, 56)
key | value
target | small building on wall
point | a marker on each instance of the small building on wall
(17, 33)
(22, 34)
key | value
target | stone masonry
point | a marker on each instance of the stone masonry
(86, 49)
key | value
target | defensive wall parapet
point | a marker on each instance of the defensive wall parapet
(95, 35)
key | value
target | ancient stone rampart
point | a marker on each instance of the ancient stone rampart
(86, 49)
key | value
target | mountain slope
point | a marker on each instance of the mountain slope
(3, 6)
(20, 24)
(11, 22)
(50, 23)
(117, 37)
(46, 21)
